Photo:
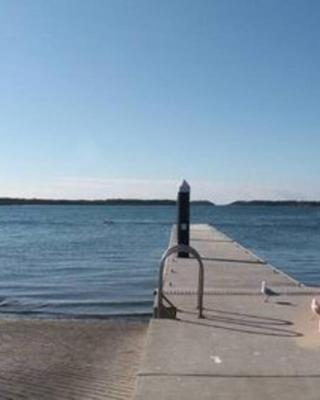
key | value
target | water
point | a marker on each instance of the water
(65, 261)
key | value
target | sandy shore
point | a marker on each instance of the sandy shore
(69, 359)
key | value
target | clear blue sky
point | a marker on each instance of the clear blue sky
(124, 98)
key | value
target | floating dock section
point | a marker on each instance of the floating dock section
(246, 346)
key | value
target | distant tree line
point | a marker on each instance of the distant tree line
(6, 201)
(274, 203)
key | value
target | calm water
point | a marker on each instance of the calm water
(64, 260)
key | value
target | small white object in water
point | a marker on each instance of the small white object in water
(315, 307)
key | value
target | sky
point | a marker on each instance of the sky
(124, 98)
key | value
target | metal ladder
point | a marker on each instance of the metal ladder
(163, 311)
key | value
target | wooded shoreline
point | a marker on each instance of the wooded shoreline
(8, 201)
(5, 201)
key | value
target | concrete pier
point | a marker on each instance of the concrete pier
(245, 347)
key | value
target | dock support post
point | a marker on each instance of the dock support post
(183, 211)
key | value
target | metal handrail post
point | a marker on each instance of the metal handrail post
(189, 250)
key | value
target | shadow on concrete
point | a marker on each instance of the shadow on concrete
(236, 323)
(262, 319)
(286, 303)
(232, 260)
(213, 240)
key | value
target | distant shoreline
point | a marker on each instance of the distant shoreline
(8, 201)
(4, 201)
(276, 203)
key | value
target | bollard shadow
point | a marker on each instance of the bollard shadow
(242, 323)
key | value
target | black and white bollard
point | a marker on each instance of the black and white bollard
(183, 205)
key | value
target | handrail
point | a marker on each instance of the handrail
(176, 249)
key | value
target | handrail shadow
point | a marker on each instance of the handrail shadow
(213, 240)
(241, 325)
(232, 260)
(270, 320)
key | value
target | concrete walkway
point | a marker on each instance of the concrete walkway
(244, 348)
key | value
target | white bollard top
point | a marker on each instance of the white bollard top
(184, 187)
